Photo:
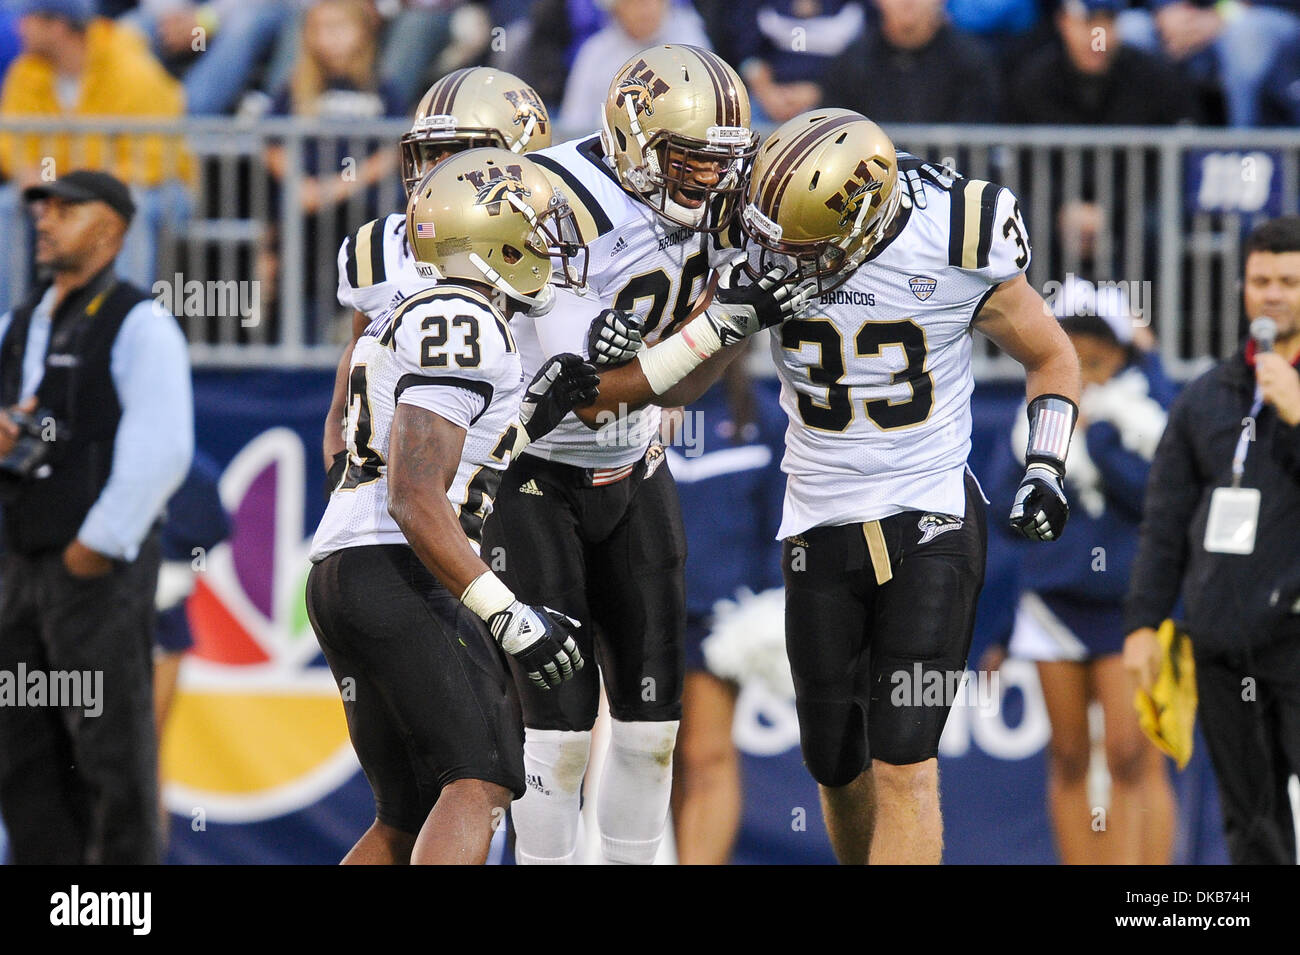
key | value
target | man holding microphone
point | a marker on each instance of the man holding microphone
(1222, 527)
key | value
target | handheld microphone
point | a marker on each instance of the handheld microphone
(1264, 331)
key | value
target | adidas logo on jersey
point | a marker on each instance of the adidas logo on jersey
(619, 246)
(530, 487)
(932, 525)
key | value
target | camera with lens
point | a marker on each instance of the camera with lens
(29, 459)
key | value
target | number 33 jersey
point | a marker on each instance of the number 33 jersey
(446, 350)
(876, 375)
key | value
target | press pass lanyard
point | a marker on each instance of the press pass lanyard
(1243, 443)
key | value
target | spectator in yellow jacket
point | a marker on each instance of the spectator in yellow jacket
(75, 65)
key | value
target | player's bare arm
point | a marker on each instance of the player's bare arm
(424, 453)
(1017, 320)
(333, 444)
(680, 368)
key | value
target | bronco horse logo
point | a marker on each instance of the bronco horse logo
(497, 186)
(527, 107)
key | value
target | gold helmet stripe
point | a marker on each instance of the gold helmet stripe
(715, 78)
(782, 170)
(442, 103)
(722, 87)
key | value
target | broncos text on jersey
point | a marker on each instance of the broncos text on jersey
(638, 262)
(445, 349)
(876, 376)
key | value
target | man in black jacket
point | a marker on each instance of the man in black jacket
(1242, 608)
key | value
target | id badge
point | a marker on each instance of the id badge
(1234, 517)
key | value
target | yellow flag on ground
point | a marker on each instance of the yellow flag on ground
(1168, 713)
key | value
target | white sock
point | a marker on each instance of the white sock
(632, 808)
(546, 818)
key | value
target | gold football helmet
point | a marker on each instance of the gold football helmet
(488, 215)
(473, 107)
(823, 192)
(676, 133)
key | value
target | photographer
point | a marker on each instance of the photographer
(98, 431)
(1220, 527)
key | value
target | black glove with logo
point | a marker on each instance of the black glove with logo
(564, 382)
(614, 338)
(1040, 509)
(541, 639)
(739, 311)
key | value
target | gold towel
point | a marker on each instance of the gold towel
(1168, 713)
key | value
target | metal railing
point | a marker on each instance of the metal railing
(252, 275)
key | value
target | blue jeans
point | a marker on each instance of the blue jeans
(1240, 57)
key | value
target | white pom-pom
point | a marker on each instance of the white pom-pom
(747, 641)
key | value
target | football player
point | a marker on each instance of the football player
(469, 108)
(883, 525)
(587, 521)
(411, 621)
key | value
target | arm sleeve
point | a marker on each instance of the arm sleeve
(1173, 493)
(1009, 251)
(155, 437)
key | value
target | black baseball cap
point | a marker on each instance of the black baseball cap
(86, 185)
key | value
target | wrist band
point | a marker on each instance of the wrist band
(487, 595)
(671, 360)
(1051, 423)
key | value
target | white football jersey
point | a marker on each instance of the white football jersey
(376, 267)
(638, 262)
(876, 376)
(447, 350)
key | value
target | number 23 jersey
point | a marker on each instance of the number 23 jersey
(446, 350)
(876, 375)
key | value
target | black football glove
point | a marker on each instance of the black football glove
(541, 639)
(739, 311)
(614, 338)
(1040, 509)
(335, 473)
(563, 383)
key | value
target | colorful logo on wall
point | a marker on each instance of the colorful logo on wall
(257, 728)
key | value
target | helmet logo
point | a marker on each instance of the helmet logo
(857, 190)
(527, 106)
(496, 186)
(642, 86)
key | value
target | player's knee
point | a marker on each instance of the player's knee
(833, 740)
(649, 743)
(912, 781)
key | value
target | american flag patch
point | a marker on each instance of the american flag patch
(1051, 429)
(424, 230)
